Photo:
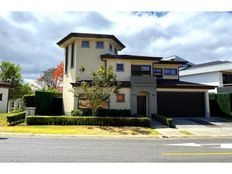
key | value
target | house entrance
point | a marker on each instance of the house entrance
(141, 105)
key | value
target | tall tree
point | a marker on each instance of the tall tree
(10, 72)
(58, 74)
(98, 91)
(52, 78)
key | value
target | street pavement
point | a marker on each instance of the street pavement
(113, 149)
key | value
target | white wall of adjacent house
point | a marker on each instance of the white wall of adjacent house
(211, 78)
(4, 99)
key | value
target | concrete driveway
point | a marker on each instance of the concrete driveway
(198, 126)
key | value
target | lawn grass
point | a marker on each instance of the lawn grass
(3, 120)
(79, 130)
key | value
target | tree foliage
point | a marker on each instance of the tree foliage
(98, 90)
(10, 72)
(52, 78)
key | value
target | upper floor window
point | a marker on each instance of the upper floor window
(140, 70)
(111, 48)
(120, 67)
(227, 79)
(99, 44)
(66, 60)
(115, 51)
(72, 55)
(85, 44)
(170, 72)
(157, 72)
(0, 97)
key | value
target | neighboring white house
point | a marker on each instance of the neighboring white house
(216, 73)
(4, 91)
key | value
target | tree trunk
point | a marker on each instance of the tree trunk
(94, 111)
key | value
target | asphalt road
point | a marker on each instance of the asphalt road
(93, 149)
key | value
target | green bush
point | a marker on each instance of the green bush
(107, 112)
(16, 118)
(102, 121)
(164, 120)
(220, 104)
(29, 100)
(77, 112)
(16, 110)
(45, 104)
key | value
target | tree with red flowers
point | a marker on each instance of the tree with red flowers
(52, 78)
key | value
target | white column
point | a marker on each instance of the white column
(207, 109)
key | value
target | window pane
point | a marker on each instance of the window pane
(120, 67)
(99, 44)
(111, 48)
(170, 71)
(85, 44)
(0, 97)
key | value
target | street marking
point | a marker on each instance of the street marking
(195, 153)
(211, 145)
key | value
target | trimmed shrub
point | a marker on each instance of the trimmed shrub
(101, 121)
(164, 120)
(77, 112)
(46, 104)
(107, 112)
(220, 104)
(29, 100)
(16, 118)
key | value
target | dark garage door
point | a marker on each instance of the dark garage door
(181, 104)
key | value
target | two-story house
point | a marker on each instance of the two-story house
(150, 85)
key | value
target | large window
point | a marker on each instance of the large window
(0, 97)
(140, 70)
(66, 60)
(170, 72)
(227, 79)
(111, 47)
(85, 44)
(83, 103)
(72, 55)
(157, 72)
(99, 44)
(119, 67)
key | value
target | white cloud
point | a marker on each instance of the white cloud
(30, 39)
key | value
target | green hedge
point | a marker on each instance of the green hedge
(220, 104)
(103, 112)
(16, 118)
(164, 120)
(29, 100)
(102, 121)
(47, 103)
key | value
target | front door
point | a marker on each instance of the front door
(141, 105)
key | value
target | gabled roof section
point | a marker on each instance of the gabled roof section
(165, 83)
(214, 66)
(171, 62)
(130, 57)
(90, 35)
(209, 64)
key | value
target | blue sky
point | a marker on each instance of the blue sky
(29, 38)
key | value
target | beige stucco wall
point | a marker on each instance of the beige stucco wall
(122, 105)
(125, 75)
(163, 66)
(4, 101)
(87, 57)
